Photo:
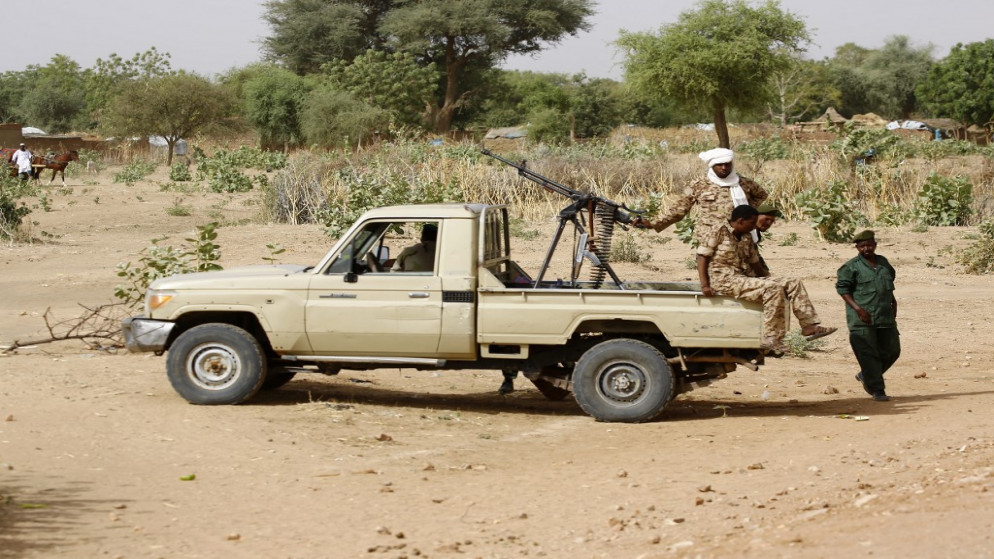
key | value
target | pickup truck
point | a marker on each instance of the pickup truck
(624, 350)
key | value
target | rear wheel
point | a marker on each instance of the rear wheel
(277, 378)
(216, 364)
(623, 380)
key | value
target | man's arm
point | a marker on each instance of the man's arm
(860, 311)
(678, 211)
(702, 272)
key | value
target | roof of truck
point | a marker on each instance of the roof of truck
(428, 211)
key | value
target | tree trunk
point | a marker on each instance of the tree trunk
(721, 125)
(453, 66)
(170, 145)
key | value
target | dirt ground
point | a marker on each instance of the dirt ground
(97, 451)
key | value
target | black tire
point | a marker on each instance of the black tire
(623, 380)
(216, 364)
(276, 378)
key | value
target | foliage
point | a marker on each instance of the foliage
(56, 100)
(891, 74)
(101, 81)
(179, 172)
(960, 85)
(199, 255)
(801, 91)
(684, 230)
(832, 213)
(843, 69)
(944, 201)
(273, 99)
(797, 345)
(978, 258)
(394, 82)
(362, 193)
(134, 171)
(626, 249)
(336, 118)
(882, 143)
(765, 149)
(173, 106)
(718, 57)
(463, 39)
(12, 209)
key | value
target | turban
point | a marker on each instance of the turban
(715, 156)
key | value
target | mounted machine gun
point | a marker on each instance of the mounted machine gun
(594, 240)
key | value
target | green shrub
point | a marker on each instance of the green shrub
(135, 171)
(363, 191)
(179, 172)
(978, 258)
(765, 149)
(12, 209)
(881, 142)
(833, 215)
(626, 249)
(944, 201)
(684, 230)
(201, 255)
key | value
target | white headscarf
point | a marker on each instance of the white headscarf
(717, 156)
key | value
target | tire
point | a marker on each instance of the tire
(216, 364)
(276, 378)
(623, 380)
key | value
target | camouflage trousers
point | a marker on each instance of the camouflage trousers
(774, 294)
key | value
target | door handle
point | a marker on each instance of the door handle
(418, 295)
(338, 296)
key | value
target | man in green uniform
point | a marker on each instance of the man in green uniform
(866, 284)
(768, 214)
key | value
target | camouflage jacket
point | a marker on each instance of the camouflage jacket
(730, 256)
(714, 205)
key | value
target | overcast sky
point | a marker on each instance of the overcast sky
(212, 36)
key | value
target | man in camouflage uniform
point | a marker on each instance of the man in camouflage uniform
(866, 284)
(714, 195)
(725, 259)
(768, 214)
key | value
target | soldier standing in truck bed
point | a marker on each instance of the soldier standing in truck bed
(714, 195)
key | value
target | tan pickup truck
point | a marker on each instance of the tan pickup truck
(623, 349)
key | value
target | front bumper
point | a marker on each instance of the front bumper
(144, 334)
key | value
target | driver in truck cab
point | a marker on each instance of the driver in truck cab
(419, 257)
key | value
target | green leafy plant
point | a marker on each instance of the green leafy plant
(12, 209)
(626, 249)
(200, 255)
(944, 201)
(978, 258)
(789, 240)
(134, 171)
(179, 172)
(274, 251)
(178, 209)
(765, 149)
(832, 213)
(684, 230)
(796, 345)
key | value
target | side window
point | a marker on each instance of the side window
(384, 247)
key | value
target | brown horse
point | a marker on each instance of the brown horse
(57, 163)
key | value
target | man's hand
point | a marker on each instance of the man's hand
(708, 291)
(864, 316)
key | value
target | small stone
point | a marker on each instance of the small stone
(10, 417)
(384, 437)
(234, 537)
(622, 473)
(830, 390)
(922, 374)
(699, 501)
(705, 489)
(756, 466)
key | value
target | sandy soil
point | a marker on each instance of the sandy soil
(96, 450)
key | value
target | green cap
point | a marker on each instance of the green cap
(865, 235)
(767, 208)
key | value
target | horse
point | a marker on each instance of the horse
(57, 163)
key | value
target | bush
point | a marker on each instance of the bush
(765, 149)
(978, 258)
(179, 172)
(159, 262)
(135, 171)
(363, 191)
(833, 215)
(944, 201)
(12, 210)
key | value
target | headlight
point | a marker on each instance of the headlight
(155, 299)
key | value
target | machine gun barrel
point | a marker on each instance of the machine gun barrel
(545, 182)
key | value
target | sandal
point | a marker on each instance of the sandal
(820, 332)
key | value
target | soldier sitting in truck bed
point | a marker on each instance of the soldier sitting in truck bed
(725, 260)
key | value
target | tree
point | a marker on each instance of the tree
(310, 33)
(101, 81)
(464, 39)
(961, 86)
(892, 73)
(845, 76)
(395, 82)
(332, 118)
(273, 100)
(173, 106)
(13, 86)
(55, 101)
(800, 91)
(721, 55)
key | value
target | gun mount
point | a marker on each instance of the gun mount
(593, 241)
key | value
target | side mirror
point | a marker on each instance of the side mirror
(351, 277)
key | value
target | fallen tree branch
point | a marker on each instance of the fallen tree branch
(99, 328)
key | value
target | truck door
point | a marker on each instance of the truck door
(381, 296)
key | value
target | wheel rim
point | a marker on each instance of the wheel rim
(622, 382)
(213, 367)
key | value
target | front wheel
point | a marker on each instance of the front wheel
(216, 364)
(623, 380)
